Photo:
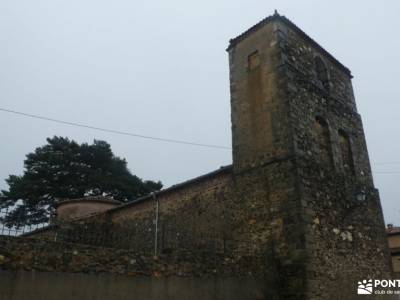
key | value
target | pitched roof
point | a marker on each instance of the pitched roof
(277, 17)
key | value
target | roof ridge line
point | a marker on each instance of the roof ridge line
(276, 16)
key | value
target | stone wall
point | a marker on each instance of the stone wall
(267, 205)
(299, 198)
(27, 254)
(251, 214)
(345, 234)
(192, 215)
(260, 131)
(268, 215)
(295, 128)
(195, 215)
(40, 270)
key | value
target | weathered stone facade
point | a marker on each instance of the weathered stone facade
(300, 190)
(190, 215)
(28, 254)
(298, 106)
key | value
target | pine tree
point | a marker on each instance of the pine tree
(64, 169)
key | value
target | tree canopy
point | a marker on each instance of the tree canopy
(65, 169)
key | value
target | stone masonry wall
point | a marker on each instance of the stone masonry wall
(295, 103)
(45, 270)
(27, 254)
(266, 193)
(299, 197)
(194, 216)
(345, 237)
(254, 213)
(260, 131)
(191, 216)
(268, 216)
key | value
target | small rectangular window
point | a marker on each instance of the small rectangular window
(253, 60)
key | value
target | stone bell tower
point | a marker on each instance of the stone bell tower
(301, 165)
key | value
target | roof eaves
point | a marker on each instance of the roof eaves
(221, 170)
(233, 42)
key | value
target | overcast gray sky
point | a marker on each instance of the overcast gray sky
(160, 68)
